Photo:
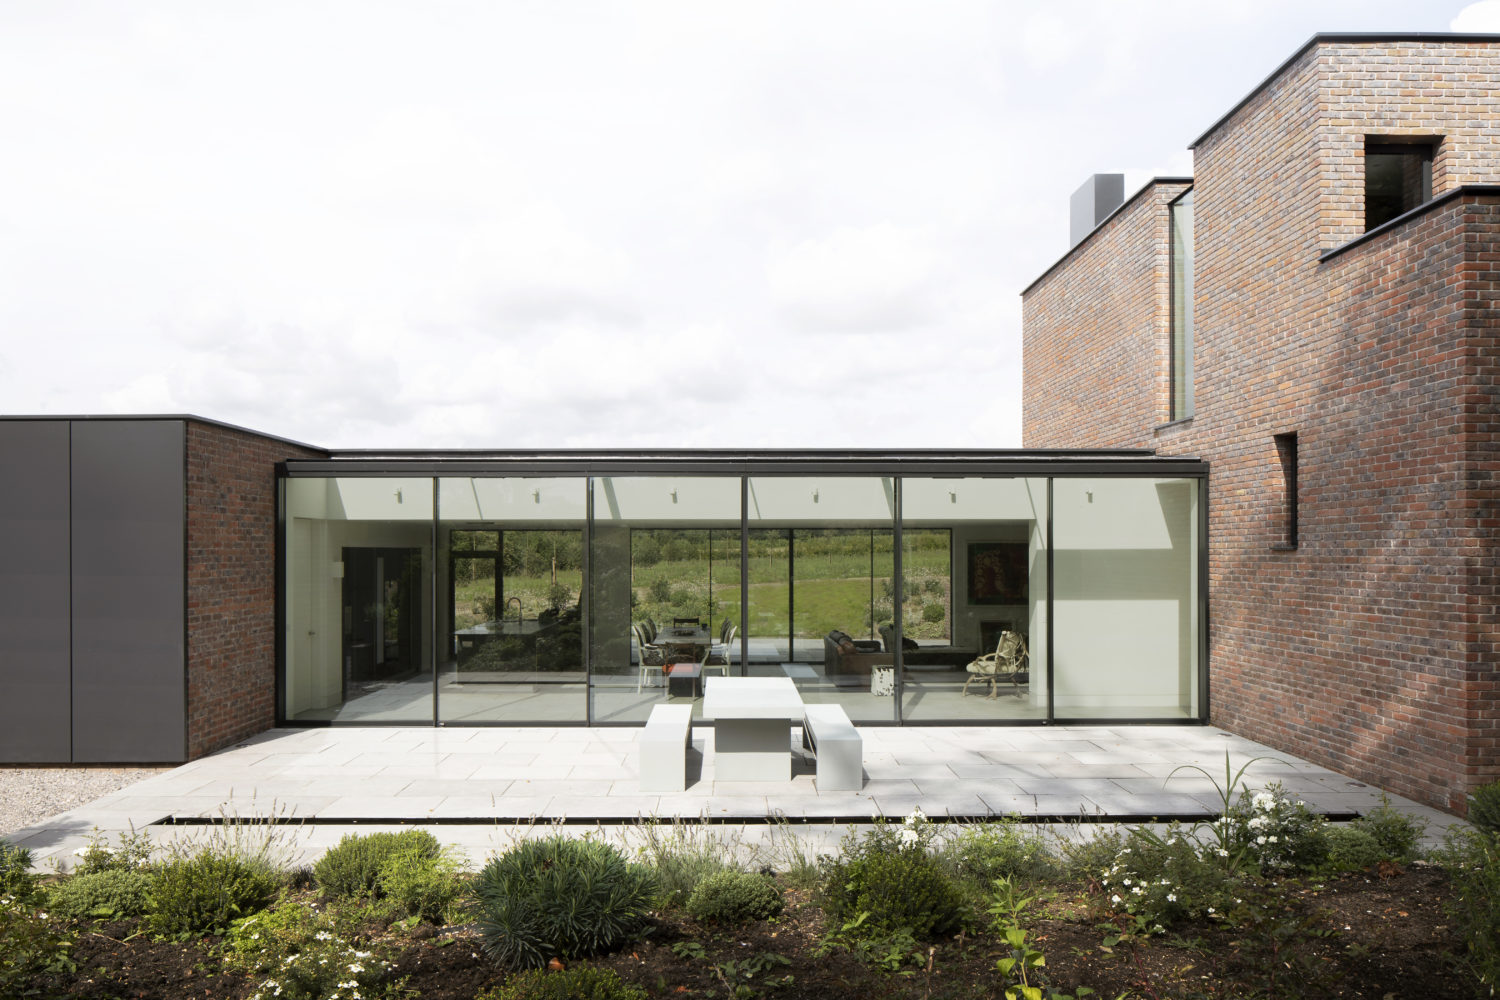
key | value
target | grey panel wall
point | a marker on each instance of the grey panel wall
(129, 658)
(35, 711)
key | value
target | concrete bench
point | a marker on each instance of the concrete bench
(828, 733)
(664, 746)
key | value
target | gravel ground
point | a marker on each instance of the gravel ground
(29, 794)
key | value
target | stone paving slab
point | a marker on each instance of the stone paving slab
(481, 788)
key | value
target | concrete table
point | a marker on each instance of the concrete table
(752, 719)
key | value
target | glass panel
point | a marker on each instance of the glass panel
(836, 533)
(1182, 307)
(663, 552)
(1126, 598)
(360, 639)
(974, 566)
(511, 562)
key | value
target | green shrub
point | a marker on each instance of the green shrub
(1273, 832)
(559, 897)
(890, 876)
(680, 857)
(109, 894)
(1398, 834)
(733, 898)
(16, 876)
(352, 867)
(980, 854)
(577, 983)
(134, 852)
(661, 590)
(1351, 849)
(421, 885)
(1472, 861)
(1163, 878)
(296, 953)
(1086, 857)
(203, 893)
(1484, 808)
(933, 613)
(31, 945)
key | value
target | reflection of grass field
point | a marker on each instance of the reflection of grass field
(822, 606)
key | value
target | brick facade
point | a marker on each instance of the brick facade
(231, 582)
(1371, 646)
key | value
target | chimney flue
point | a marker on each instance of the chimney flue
(1091, 204)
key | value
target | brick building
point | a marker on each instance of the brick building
(1314, 314)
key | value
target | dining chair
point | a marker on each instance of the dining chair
(717, 655)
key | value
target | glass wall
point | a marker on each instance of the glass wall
(544, 599)
(974, 566)
(510, 566)
(359, 598)
(1125, 598)
(660, 548)
(838, 538)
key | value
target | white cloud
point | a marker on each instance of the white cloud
(1482, 17)
(585, 224)
(874, 278)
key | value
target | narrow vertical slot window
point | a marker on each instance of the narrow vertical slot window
(1182, 306)
(1286, 451)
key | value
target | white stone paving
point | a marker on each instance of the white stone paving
(487, 786)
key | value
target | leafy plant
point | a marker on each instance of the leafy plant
(1399, 834)
(984, 852)
(422, 885)
(299, 954)
(1273, 832)
(31, 945)
(107, 894)
(933, 612)
(204, 893)
(580, 982)
(1484, 808)
(1160, 879)
(352, 867)
(1022, 970)
(734, 897)
(1472, 860)
(97, 856)
(889, 875)
(680, 856)
(559, 897)
(16, 877)
(1230, 850)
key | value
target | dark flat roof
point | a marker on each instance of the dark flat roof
(1153, 182)
(728, 461)
(163, 416)
(1355, 37)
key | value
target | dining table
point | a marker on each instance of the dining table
(683, 644)
(752, 719)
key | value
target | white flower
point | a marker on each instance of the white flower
(1221, 852)
(1137, 890)
(1261, 839)
(915, 817)
(1264, 801)
(1127, 882)
(1210, 909)
(323, 936)
(1114, 899)
(1272, 839)
(356, 967)
(909, 836)
(1171, 897)
(1256, 822)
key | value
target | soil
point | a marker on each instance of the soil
(1377, 934)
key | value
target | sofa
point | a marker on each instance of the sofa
(845, 656)
(914, 655)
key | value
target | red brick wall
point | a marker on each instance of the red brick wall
(1098, 328)
(1371, 647)
(231, 586)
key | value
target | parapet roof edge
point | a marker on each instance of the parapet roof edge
(164, 416)
(1325, 37)
(1405, 217)
(1153, 182)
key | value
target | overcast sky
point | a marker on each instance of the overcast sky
(559, 224)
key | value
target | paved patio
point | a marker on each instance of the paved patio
(480, 788)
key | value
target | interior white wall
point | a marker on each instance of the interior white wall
(1125, 559)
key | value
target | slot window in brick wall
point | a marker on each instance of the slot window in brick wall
(1286, 451)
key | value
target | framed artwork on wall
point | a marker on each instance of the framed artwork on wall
(997, 573)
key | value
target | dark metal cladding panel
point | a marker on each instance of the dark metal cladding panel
(129, 678)
(34, 686)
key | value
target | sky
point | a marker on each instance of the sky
(583, 225)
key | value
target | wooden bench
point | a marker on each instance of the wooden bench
(664, 746)
(828, 733)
